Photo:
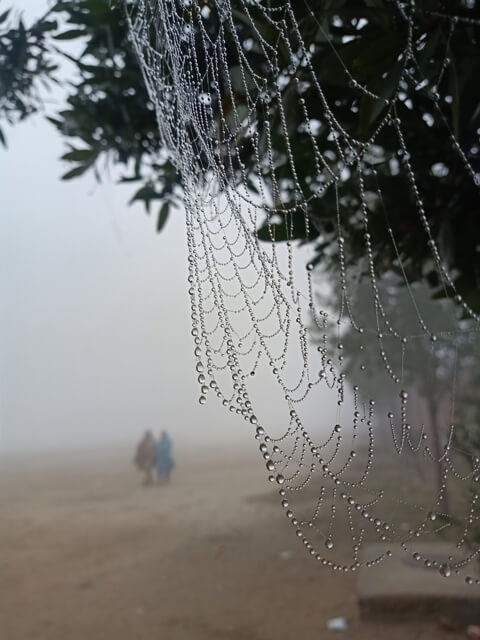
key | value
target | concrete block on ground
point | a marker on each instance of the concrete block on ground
(403, 588)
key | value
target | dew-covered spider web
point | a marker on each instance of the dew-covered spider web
(266, 156)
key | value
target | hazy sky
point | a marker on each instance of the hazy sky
(94, 323)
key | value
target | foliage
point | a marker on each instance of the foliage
(109, 120)
(25, 63)
(451, 201)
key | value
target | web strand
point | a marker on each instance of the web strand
(231, 134)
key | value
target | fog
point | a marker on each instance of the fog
(94, 324)
(95, 333)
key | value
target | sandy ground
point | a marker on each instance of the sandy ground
(86, 553)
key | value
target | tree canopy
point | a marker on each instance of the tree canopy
(109, 120)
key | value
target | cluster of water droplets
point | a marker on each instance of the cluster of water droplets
(252, 303)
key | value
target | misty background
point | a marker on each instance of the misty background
(94, 320)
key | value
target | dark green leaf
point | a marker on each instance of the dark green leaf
(130, 179)
(54, 121)
(145, 193)
(81, 155)
(288, 229)
(46, 25)
(77, 171)
(71, 34)
(163, 215)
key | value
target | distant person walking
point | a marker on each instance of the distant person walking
(164, 461)
(145, 456)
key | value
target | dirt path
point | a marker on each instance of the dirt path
(88, 554)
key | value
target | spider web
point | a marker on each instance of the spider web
(228, 130)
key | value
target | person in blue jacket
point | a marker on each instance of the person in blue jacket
(164, 457)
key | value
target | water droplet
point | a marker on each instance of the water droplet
(202, 399)
(329, 543)
(270, 466)
(280, 479)
(403, 394)
(432, 515)
(445, 570)
(205, 98)
(265, 97)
